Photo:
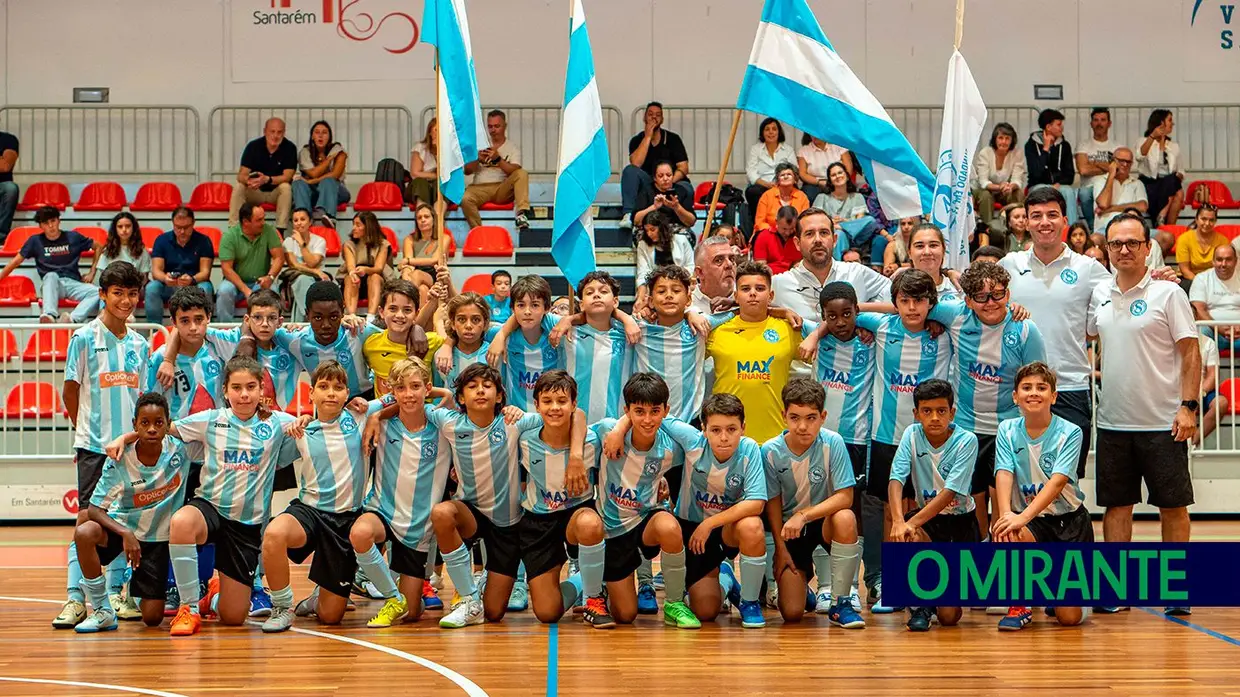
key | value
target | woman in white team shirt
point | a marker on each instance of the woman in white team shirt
(926, 248)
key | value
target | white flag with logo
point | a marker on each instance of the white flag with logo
(964, 116)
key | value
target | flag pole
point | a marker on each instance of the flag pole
(572, 292)
(959, 22)
(441, 207)
(723, 166)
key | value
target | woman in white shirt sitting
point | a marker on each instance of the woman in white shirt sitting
(304, 253)
(764, 155)
(999, 174)
(813, 159)
(422, 167)
(1161, 169)
(658, 244)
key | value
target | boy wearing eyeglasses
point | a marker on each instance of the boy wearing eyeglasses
(989, 347)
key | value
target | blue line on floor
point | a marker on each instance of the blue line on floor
(1185, 623)
(553, 660)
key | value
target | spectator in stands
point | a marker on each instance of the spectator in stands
(251, 256)
(784, 193)
(659, 244)
(813, 159)
(1214, 403)
(367, 261)
(715, 269)
(1078, 237)
(9, 192)
(852, 256)
(988, 253)
(854, 226)
(498, 176)
(124, 243)
(647, 149)
(423, 168)
(56, 254)
(319, 185)
(928, 250)
(739, 243)
(180, 257)
(1016, 220)
(663, 194)
(304, 253)
(1215, 295)
(895, 255)
(420, 251)
(1194, 250)
(1093, 159)
(799, 287)
(764, 156)
(266, 175)
(777, 246)
(1117, 191)
(1162, 169)
(999, 173)
(1049, 158)
(1099, 254)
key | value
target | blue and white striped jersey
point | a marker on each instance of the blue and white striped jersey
(846, 370)
(332, 468)
(949, 466)
(143, 498)
(679, 356)
(600, 361)
(411, 471)
(905, 359)
(709, 486)
(628, 486)
(526, 362)
(486, 461)
(1033, 461)
(544, 472)
(347, 350)
(282, 370)
(111, 371)
(461, 361)
(810, 478)
(195, 383)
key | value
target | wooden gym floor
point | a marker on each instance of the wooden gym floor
(1132, 653)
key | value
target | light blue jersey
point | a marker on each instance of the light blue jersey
(195, 382)
(486, 461)
(501, 310)
(709, 486)
(678, 355)
(950, 466)
(629, 486)
(143, 498)
(241, 457)
(1033, 461)
(846, 371)
(332, 468)
(810, 478)
(111, 371)
(987, 358)
(545, 467)
(526, 362)
(282, 370)
(347, 350)
(411, 471)
(601, 362)
(905, 360)
(461, 361)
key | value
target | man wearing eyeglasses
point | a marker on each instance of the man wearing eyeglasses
(180, 257)
(1118, 191)
(1151, 378)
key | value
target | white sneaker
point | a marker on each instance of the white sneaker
(854, 598)
(465, 613)
(626, 223)
(71, 615)
(436, 581)
(772, 594)
(822, 601)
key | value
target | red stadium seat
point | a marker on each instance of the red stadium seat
(47, 345)
(301, 401)
(157, 339)
(149, 234)
(32, 400)
(211, 232)
(491, 206)
(101, 196)
(488, 241)
(17, 237)
(379, 196)
(1228, 231)
(45, 194)
(450, 252)
(97, 234)
(17, 291)
(157, 197)
(1176, 230)
(332, 238)
(211, 197)
(1229, 389)
(1220, 195)
(701, 190)
(8, 345)
(391, 238)
(478, 283)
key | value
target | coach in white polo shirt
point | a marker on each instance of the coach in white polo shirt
(1151, 374)
(1055, 285)
(798, 288)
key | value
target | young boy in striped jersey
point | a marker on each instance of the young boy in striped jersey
(326, 340)
(934, 467)
(522, 345)
(636, 524)
(412, 461)
(990, 345)
(468, 337)
(809, 478)
(671, 345)
(332, 474)
(1038, 497)
(398, 308)
(129, 516)
(597, 354)
(105, 365)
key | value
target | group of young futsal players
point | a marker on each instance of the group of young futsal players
(537, 440)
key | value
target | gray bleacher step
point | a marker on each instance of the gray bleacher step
(542, 257)
(559, 285)
(603, 237)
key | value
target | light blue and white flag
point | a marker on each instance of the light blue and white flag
(964, 116)
(584, 164)
(461, 127)
(796, 76)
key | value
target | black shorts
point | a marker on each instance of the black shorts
(859, 456)
(89, 469)
(699, 566)
(951, 527)
(624, 553)
(193, 481)
(327, 537)
(503, 543)
(1075, 406)
(1065, 527)
(1125, 458)
(984, 468)
(286, 478)
(802, 549)
(674, 477)
(237, 545)
(406, 560)
(150, 579)
(879, 473)
(543, 538)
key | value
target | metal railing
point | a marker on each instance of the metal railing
(1224, 439)
(368, 133)
(536, 131)
(106, 140)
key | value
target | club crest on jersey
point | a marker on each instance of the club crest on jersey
(281, 362)
(496, 435)
(653, 466)
(348, 425)
(430, 450)
(1068, 276)
(734, 481)
(344, 358)
(686, 332)
(816, 475)
(131, 360)
(930, 348)
(175, 461)
(211, 368)
(617, 345)
(1047, 462)
(771, 336)
(263, 430)
(1011, 339)
(549, 355)
(1138, 307)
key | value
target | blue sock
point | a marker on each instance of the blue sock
(752, 570)
(590, 561)
(206, 563)
(258, 576)
(521, 573)
(115, 574)
(376, 570)
(282, 597)
(185, 568)
(459, 564)
(725, 583)
(96, 590)
(74, 585)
